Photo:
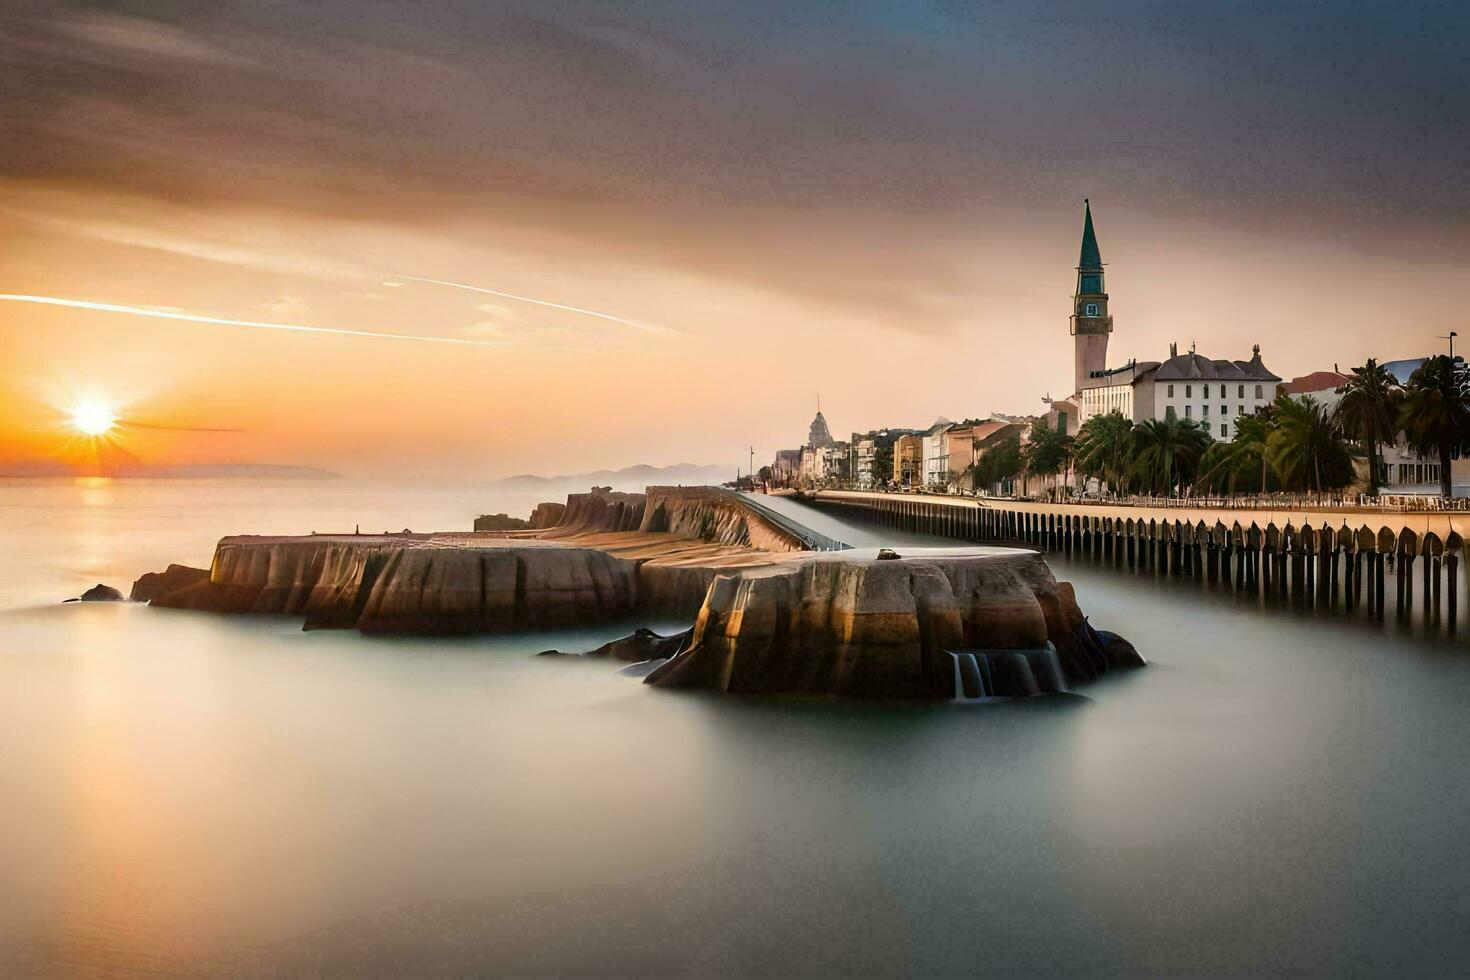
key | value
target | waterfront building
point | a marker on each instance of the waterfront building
(1320, 386)
(818, 435)
(821, 461)
(1062, 415)
(824, 465)
(951, 449)
(1212, 392)
(936, 454)
(1126, 389)
(947, 453)
(873, 455)
(1191, 386)
(786, 469)
(863, 452)
(1406, 473)
(1090, 323)
(837, 463)
(908, 460)
(809, 473)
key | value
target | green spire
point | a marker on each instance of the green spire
(1091, 256)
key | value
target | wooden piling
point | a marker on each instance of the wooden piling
(1452, 576)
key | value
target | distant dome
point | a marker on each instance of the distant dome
(820, 435)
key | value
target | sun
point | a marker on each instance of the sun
(93, 419)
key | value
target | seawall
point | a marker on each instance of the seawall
(610, 554)
(770, 617)
(1346, 558)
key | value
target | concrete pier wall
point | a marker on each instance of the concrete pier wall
(1325, 557)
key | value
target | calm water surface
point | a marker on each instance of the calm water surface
(189, 794)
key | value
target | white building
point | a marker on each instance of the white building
(1405, 472)
(1208, 391)
(1119, 390)
(863, 452)
(936, 455)
(821, 465)
(1212, 392)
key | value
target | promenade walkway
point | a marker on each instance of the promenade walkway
(1326, 555)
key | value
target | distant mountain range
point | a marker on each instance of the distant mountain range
(627, 478)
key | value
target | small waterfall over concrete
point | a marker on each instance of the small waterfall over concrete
(969, 682)
(982, 674)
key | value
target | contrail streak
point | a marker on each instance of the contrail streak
(646, 328)
(80, 304)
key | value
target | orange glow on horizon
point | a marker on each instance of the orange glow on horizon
(959, 322)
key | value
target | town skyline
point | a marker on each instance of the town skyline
(736, 488)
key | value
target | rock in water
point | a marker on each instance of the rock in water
(856, 626)
(152, 585)
(99, 593)
(499, 522)
(1120, 652)
(640, 645)
(953, 623)
(547, 515)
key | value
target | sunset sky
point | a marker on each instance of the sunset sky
(772, 201)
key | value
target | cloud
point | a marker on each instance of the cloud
(821, 157)
(78, 304)
(942, 106)
(498, 311)
(145, 38)
(582, 311)
(285, 306)
(190, 233)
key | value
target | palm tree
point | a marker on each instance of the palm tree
(1307, 450)
(1368, 412)
(1168, 451)
(1435, 414)
(1102, 448)
(1241, 464)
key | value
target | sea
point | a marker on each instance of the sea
(186, 794)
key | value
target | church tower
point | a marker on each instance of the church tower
(1090, 321)
(819, 436)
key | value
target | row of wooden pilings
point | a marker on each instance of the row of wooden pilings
(1324, 565)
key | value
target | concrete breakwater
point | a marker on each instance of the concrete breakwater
(610, 555)
(1346, 558)
(770, 615)
(961, 623)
